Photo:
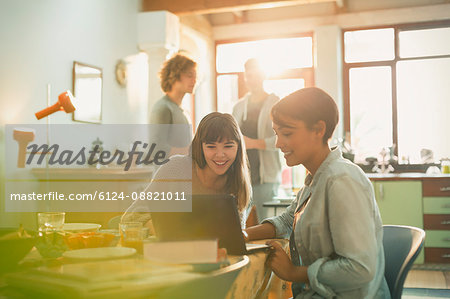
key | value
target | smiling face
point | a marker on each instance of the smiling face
(220, 155)
(298, 143)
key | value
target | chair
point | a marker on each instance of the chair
(402, 245)
(215, 284)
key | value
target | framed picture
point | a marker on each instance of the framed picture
(87, 90)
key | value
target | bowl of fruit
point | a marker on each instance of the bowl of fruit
(90, 240)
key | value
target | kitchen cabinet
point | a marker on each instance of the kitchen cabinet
(416, 199)
(436, 206)
(400, 203)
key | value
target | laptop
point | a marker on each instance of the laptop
(213, 216)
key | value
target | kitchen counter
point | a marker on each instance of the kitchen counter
(93, 174)
(405, 176)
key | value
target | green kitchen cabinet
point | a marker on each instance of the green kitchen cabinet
(400, 203)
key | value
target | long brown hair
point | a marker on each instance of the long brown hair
(216, 127)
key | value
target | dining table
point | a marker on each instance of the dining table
(132, 275)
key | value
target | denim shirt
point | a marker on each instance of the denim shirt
(339, 235)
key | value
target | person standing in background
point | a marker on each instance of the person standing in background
(252, 113)
(178, 77)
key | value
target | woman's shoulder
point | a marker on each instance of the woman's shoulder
(163, 103)
(161, 112)
(344, 169)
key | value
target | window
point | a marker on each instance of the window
(288, 64)
(397, 91)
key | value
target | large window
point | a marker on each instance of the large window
(288, 64)
(397, 90)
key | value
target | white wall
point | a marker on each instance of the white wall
(201, 48)
(39, 40)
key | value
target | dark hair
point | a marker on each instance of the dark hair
(309, 105)
(172, 70)
(217, 127)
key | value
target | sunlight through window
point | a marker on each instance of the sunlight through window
(275, 55)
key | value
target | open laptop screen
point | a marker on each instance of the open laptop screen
(213, 217)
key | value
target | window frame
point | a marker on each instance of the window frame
(306, 73)
(391, 63)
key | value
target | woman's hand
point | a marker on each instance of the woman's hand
(281, 265)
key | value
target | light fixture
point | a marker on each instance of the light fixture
(23, 136)
(64, 103)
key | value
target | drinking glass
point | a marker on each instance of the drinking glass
(132, 235)
(51, 221)
(50, 243)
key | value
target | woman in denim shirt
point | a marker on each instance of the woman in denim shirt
(334, 225)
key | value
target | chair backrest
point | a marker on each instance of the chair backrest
(215, 284)
(402, 245)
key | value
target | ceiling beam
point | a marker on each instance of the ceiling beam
(182, 7)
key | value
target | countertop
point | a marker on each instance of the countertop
(405, 176)
(107, 173)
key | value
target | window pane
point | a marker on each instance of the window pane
(369, 45)
(283, 87)
(227, 92)
(274, 55)
(370, 110)
(423, 107)
(427, 42)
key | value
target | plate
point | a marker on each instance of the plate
(81, 227)
(100, 253)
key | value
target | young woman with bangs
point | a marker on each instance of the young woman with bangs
(217, 164)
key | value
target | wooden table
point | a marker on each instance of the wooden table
(255, 280)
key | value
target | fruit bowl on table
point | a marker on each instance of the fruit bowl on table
(81, 227)
(90, 240)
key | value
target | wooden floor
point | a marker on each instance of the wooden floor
(428, 279)
(420, 279)
(431, 280)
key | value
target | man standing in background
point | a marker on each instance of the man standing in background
(252, 113)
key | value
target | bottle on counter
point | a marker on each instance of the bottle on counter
(445, 165)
